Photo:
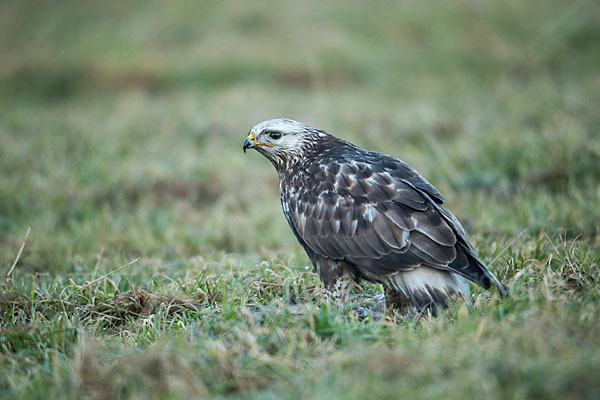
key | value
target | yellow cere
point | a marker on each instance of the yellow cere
(252, 138)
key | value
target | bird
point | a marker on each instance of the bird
(364, 215)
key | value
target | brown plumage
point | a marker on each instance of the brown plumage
(367, 215)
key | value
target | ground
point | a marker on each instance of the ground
(159, 263)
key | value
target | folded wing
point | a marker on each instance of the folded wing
(383, 217)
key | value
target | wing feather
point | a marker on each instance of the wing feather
(395, 215)
(441, 254)
(385, 232)
(380, 215)
(348, 227)
(434, 227)
(361, 248)
(374, 242)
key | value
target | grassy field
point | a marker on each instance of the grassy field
(158, 262)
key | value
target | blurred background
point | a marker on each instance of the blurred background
(121, 123)
(121, 129)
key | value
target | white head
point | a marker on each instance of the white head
(281, 140)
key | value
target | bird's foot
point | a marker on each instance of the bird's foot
(373, 307)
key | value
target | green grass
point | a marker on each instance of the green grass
(121, 127)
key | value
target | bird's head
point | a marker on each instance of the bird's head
(282, 141)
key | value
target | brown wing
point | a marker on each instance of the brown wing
(382, 216)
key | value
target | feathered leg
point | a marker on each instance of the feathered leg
(338, 278)
(396, 300)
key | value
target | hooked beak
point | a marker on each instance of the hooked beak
(249, 142)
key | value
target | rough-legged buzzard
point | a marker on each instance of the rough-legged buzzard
(366, 215)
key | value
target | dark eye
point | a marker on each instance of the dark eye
(275, 135)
